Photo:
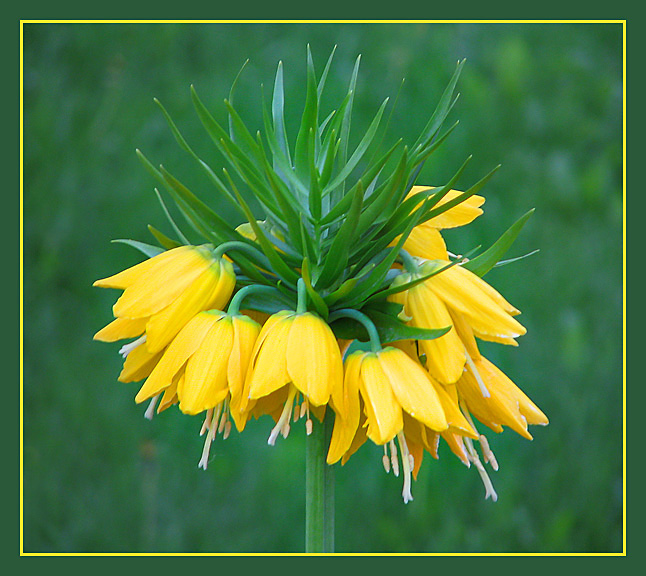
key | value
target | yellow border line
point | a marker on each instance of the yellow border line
(623, 22)
(21, 298)
(624, 288)
(323, 21)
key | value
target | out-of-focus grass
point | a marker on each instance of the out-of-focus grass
(543, 100)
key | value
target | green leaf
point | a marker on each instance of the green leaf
(315, 188)
(336, 258)
(488, 259)
(207, 169)
(269, 304)
(232, 94)
(341, 291)
(441, 111)
(359, 151)
(147, 249)
(343, 205)
(505, 262)
(170, 219)
(165, 241)
(389, 328)
(325, 73)
(277, 263)
(315, 297)
(309, 120)
(277, 109)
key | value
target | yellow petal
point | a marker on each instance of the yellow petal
(165, 324)
(170, 394)
(245, 333)
(205, 381)
(465, 333)
(178, 352)
(268, 370)
(456, 286)
(497, 409)
(359, 439)
(412, 387)
(348, 414)
(456, 444)
(503, 385)
(124, 279)
(459, 215)
(455, 419)
(313, 358)
(425, 241)
(122, 328)
(445, 356)
(224, 287)
(138, 364)
(162, 284)
(383, 410)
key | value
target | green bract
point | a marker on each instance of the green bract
(332, 214)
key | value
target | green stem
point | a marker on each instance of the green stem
(319, 489)
(375, 342)
(236, 301)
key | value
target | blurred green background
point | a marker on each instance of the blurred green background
(543, 100)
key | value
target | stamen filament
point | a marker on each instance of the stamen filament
(284, 417)
(127, 348)
(150, 411)
(406, 463)
(204, 460)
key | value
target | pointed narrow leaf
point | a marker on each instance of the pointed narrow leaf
(147, 249)
(488, 259)
(315, 297)
(165, 241)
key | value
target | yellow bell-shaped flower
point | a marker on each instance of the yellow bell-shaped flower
(163, 293)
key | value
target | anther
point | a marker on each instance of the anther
(308, 426)
(227, 430)
(282, 426)
(207, 420)
(393, 458)
(406, 463)
(150, 411)
(127, 348)
(487, 453)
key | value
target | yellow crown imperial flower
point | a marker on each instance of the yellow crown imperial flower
(337, 248)
(298, 351)
(204, 368)
(436, 301)
(161, 294)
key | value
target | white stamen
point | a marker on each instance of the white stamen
(386, 462)
(127, 348)
(150, 411)
(204, 460)
(308, 426)
(227, 430)
(481, 384)
(406, 463)
(304, 409)
(487, 453)
(393, 458)
(473, 456)
(205, 425)
(283, 421)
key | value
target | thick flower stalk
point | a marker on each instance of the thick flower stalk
(338, 298)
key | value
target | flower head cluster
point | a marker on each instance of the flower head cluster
(342, 301)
